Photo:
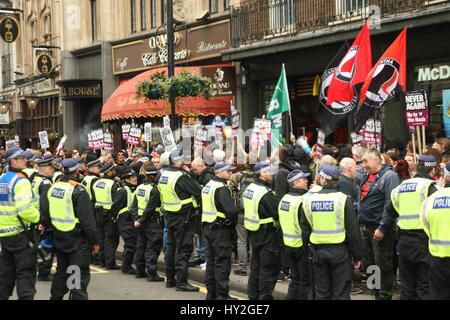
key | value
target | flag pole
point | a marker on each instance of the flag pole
(413, 134)
(419, 140)
(288, 100)
(423, 137)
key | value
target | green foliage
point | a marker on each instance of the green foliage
(185, 84)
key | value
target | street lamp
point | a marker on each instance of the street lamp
(4, 106)
(32, 101)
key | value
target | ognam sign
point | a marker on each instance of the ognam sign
(433, 73)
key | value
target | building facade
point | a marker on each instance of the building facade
(305, 35)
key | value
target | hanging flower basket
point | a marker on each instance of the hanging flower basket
(185, 84)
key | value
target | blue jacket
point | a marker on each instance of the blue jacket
(373, 210)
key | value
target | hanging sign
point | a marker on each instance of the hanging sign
(9, 29)
(44, 63)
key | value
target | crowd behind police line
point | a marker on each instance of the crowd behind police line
(317, 224)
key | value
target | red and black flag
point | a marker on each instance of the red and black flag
(347, 80)
(328, 120)
(386, 81)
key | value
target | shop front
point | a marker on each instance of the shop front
(197, 50)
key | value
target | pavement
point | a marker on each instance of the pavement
(239, 283)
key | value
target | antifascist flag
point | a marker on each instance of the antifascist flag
(328, 119)
(279, 104)
(351, 72)
(386, 80)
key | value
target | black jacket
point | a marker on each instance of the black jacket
(225, 203)
(372, 210)
(353, 235)
(150, 210)
(349, 187)
(86, 230)
(206, 175)
(268, 207)
(280, 180)
(186, 187)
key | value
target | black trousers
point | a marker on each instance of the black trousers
(112, 237)
(129, 236)
(17, 267)
(79, 273)
(45, 268)
(332, 272)
(414, 264)
(300, 287)
(218, 268)
(179, 247)
(101, 221)
(265, 266)
(149, 245)
(439, 278)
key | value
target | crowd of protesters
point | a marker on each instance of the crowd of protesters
(367, 177)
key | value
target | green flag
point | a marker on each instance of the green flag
(279, 104)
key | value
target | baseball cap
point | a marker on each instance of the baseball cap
(222, 166)
(16, 152)
(70, 164)
(328, 171)
(296, 174)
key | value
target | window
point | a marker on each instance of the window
(6, 64)
(94, 20)
(282, 14)
(153, 13)
(226, 4)
(47, 25)
(164, 11)
(346, 6)
(133, 15)
(213, 6)
(33, 31)
(143, 14)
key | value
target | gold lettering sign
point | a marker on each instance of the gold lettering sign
(9, 29)
(45, 64)
(81, 92)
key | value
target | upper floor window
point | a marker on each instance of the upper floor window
(226, 4)
(213, 6)
(143, 14)
(164, 11)
(153, 13)
(33, 31)
(133, 15)
(6, 64)
(346, 6)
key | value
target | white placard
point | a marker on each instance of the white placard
(16, 139)
(148, 132)
(168, 139)
(166, 121)
(235, 120)
(43, 138)
(202, 134)
(321, 138)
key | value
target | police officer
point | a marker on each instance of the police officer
(289, 213)
(219, 217)
(93, 166)
(18, 259)
(414, 256)
(149, 225)
(329, 225)
(180, 195)
(108, 205)
(40, 185)
(261, 221)
(67, 211)
(124, 220)
(435, 219)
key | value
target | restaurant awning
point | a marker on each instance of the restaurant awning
(124, 103)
